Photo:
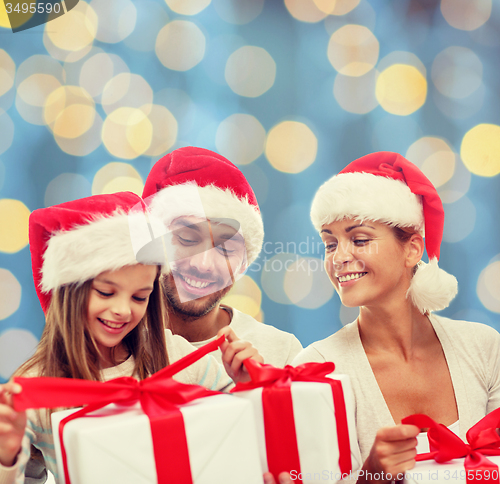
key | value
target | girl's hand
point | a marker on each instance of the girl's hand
(284, 478)
(12, 425)
(392, 453)
(234, 352)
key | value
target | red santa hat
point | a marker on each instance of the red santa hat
(199, 182)
(385, 187)
(76, 241)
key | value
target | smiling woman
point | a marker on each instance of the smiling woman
(401, 357)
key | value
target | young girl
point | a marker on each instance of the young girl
(402, 358)
(104, 316)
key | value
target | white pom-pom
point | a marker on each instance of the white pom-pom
(432, 288)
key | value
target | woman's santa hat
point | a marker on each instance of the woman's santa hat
(385, 187)
(198, 182)
(76, 241)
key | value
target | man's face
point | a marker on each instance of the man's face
(206, 257)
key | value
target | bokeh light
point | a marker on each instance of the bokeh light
(336, 7)
(14, 216)
(480, 150)
(305, 10)
(187, 7)
(401, 89)
(70, 37)
(6, 131)
(459, 220)
(488, 286)
(460, 108)
(165, 129)
(353, 50)
(10, 294)
(466, 14)
(66, 187)
(245, 296)
(116, 19)
(127, 90)
(180, 45)
(7, 72)
(250, 71)
(240, 138)
(105, 177)
(84, 144)
(238, 12)
(16, 346)
(291, 147)
(127, 133)
(306, 283)
(273, 276)
(457, 72)
(356, 94)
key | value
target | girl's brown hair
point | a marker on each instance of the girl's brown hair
(67, 349)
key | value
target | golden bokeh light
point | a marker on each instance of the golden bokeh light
(187, 7)
(273, 275)
(434, 157)
(401, 89)
(10, 294)
(480, 150)
(105, 176)
(69, 111)
(305, 10)
(164, 130)
(127, 90)
(4, 18)
(353, 50)
(336, 7)
(180, 45)
(117, 19)
(240, 138)
(356, 94)
(124, 184)
(466, 14)
(14, 217)
(250, 71)
(306, 283)
(98, 70)
(84, 144)
(291, 147)
(70, 36)
(7, 72)
(127, 133)
(15, 19)
(488, 287)
(457, 72)
(245, 296)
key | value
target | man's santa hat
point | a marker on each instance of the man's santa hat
(198, 182)
(76, 241)
(385, 187)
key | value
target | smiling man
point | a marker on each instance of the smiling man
(214, 232)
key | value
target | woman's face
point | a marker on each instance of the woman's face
(365, 262)
(117, 302)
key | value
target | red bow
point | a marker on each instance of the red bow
(281, 438)
(482, 440)
(159, 396)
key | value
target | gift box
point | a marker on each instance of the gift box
(115, 445)
(305, 420)
(152, 431)
(451, 459)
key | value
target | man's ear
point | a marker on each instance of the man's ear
(415, 249)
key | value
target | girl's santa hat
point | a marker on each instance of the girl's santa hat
(76, 241)
(385, 187)
(195, 181)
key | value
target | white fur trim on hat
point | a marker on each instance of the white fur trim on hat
(367, 197)
(85, 251)
(432, 288)
(211, 202)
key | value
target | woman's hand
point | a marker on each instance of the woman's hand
(12, 425)
(284, 478)
(392, 454)
(234, 352)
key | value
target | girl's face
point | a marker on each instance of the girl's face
(117, 302)
(365, 262)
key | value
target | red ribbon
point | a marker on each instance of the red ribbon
(159, 396)
(279, 423)
(482, 439)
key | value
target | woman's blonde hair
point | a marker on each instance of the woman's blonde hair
(68, 350)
